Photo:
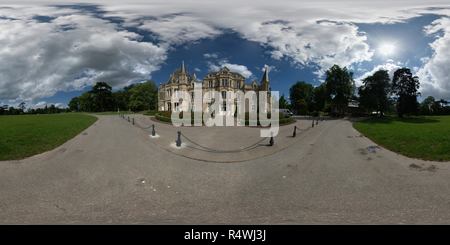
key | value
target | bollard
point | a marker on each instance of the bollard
(128, 118)
(295, 129)
(133, 121)
(179, 140)
(153, 130)
(317, 122)
(312, 126)
(271, 139)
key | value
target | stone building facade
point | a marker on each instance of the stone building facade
(223, 82)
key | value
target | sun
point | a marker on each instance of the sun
(387, 49)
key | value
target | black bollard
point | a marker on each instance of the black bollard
(271, 139)
(133, 121)
(128, 118)
(312, 123)
(317, 122)
(179, 140)
(153, 130)
(295, 129)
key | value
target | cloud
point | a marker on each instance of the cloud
(269, 68)
(391, 67)
(69, 52)
(241, 69)
(73, 47)
(213, 55)
(434, 76)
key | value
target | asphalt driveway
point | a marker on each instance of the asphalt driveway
(115, 172)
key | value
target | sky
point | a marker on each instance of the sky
(51, 52)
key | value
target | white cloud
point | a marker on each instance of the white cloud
(434, 76)
(77, 48)
(391, 67)
(69, 53)
(212, 55)
(241, 69)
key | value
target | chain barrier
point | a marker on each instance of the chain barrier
(135, 123)
(243, 149)
(214, 150)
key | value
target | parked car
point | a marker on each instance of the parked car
(286, 112)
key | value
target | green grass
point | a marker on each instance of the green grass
(23, 136)
(424, 137)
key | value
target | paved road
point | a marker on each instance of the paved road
(114, 172)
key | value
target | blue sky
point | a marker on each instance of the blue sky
(52, 52)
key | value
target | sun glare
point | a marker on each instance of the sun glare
(387, 49)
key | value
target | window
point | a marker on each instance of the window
(238, 84)
(176, 93)
(224, 94)
(192, 85)
(176, 105)
(169, 106)
(210, 95)
(224, 107)
(210, 84)
(192, 95)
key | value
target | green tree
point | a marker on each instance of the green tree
(405, 87)
(374, 93)
(340, 85)
(144, 96)
(301, 106)
(101, 90)
(22, 105)
(73, 104)
(52, 109)
(302, 90)
(321, 98)
(283, 103)
(426, 107)
(85, 102)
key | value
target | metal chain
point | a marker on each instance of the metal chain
(135, 122)
(221, 150)
(303, 129)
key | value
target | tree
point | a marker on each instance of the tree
(426, 107)
(302, 90)
(443, 102)
(320, 97)
(73, 104)
(375, 91)
(22, 105)
(405, 87)
(301, 107)
(102, 90)
(144, 96)
(282, 103)
(85, 102)
(340, 85)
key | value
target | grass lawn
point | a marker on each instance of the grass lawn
(23, 136)
(424, 137)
